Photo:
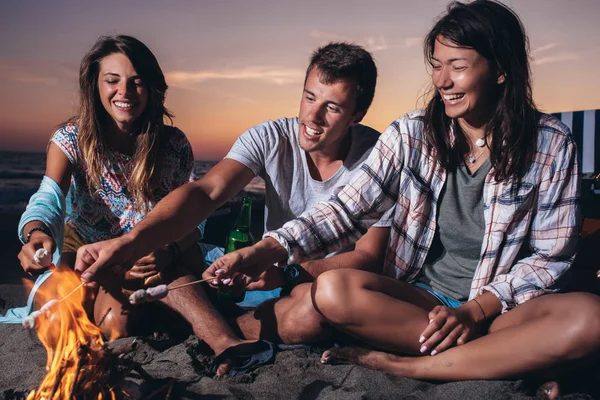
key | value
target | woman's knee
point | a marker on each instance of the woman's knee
(581, 323)
(332, 293)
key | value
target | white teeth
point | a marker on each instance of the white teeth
(121, 104)
(453, 97)
(311, 131)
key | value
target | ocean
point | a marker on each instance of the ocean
(21, 174)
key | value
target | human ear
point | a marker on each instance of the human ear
(501, 78)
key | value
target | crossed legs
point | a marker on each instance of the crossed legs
(536, 336)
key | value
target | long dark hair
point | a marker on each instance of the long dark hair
(496, 33)
(91, 118)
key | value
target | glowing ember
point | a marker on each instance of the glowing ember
(76, 358)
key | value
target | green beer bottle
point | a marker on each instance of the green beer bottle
(239, 237)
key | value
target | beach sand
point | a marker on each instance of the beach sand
(155, 365)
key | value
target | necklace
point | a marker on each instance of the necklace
(479, 143)
(472, 159)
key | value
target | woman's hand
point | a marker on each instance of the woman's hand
(151, 264)
(38, 240)
(235, 266)
(247, 263)
(450, 326)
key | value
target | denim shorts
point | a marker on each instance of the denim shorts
(445, 300)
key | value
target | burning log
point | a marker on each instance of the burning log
(77, 359)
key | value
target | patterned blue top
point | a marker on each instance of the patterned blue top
(112, 212)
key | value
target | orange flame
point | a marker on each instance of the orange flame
(76, 357)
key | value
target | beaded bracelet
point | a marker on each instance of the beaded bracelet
(41, 228)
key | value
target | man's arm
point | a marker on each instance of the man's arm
(368, 255)
(175, 215)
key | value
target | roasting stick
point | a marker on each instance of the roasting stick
(42, 257)
(159, 292)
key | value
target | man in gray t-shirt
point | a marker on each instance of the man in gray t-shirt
(303, 160)
(272, 151)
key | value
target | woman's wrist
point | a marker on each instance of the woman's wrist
(38, 230)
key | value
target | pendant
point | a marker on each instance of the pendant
(472, 160)
(480, 143)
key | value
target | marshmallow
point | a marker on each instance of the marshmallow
(147, 295)
(30, 320)
(42, 257)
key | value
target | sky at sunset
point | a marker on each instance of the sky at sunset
(232, 64)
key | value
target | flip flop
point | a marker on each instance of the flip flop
(245, 357)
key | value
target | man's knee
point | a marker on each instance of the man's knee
(300, 322)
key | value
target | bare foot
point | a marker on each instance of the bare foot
(367, 358)
(224, 368)
(548, 391)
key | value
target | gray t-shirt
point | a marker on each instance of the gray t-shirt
(454, 254)
(272, 151)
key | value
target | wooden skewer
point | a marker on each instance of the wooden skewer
(190, 283)
(72, 291)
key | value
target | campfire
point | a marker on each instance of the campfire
(77, 358)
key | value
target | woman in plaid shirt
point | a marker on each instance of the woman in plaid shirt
(485, 190)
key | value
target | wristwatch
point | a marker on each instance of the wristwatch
(291, 274)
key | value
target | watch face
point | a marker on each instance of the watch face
(291, 272)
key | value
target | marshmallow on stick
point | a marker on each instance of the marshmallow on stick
(158, 292)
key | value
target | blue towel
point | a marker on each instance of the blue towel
(48, 206)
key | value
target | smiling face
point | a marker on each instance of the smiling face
(465, 81)
(327, 111)
(122, 92)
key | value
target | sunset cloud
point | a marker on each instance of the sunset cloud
(413, 41)
(544, 47)
(548, 58)
(275, 75)
(560, 57)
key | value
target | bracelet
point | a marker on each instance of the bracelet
(481, 308)
(41, 228)
(175, 252)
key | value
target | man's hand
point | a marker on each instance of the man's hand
(448, 327)
(95, 259)
(38, 240)
(151, 264)
(271, 279)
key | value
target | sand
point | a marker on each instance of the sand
(159, 365)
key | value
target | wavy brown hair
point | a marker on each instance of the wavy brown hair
(496, 33)
(92, 119)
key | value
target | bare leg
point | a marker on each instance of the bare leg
(519, 341)
(192, 303)
(384, 312)
(290, 320)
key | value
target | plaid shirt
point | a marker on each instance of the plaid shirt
(531, 230)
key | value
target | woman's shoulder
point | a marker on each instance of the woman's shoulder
(175, 138)
(409, 125)
(552, 132)
(69, 129)
(549, 124)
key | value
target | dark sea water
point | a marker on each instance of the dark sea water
(21, 174)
